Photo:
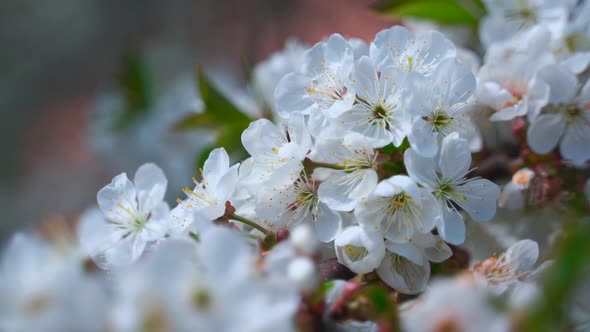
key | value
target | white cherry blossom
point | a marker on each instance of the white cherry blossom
(507, 18)
(398, 209)
(445, 177)
(209, 197)
(277, 152)
(358, 249)
(406, 266)
(512, 267)
(297, 204)
(398, 47)
(133, 216)
(322, 84)
(356, 177)
(378, 112)
(565, 120)
(440, 106)
(512, 88)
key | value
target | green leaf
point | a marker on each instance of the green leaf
(216, 104)
(220, 115)
(380, 300)
(561, 280)
(390, 149)
(136, 84)
(198, 121)
(440, 11)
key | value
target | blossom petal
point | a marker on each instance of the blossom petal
(95, 233)
(544, 133)
(438, 253)
(326, 223)
(118, 200)
(420, 169)
(575, 141)
(407, 250)
(215, 166)
(150, 183)
(481, 197)
(291, 96)
(455, 157)
(562, 83)
(403, 275)
(452, 227)
(422, 139)
(522, 255)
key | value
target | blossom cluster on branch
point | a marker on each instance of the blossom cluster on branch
(357, 187)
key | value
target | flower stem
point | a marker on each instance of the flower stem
(249, 223)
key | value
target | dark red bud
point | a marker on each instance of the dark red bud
(282, 234)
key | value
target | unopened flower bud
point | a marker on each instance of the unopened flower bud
(302, 273)
(305, 240)
(359, 250)
(282, 234)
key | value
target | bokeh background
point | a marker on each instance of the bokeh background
(58, 57)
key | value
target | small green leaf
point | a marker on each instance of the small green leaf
(136, 84)
(440, 11)
(390, 149)
(380, 300)
(197, 121)
(216, 104)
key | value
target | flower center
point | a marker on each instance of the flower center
(202, 300)
(439, 120)
(381, 116)
(355, 253)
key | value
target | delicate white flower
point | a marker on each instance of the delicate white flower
(406, 266)
(267, 74)
(134, 215)
(453, 305)
(511, 268)
(507, 18)
(41, 289)
(398, 209)
(398, 47)
(294, 205)
(512, 196)
(440, 106)
(357, 178)
(359, 250)
(378, 112)
(445, 177)
(322, 85)
(208, 198)
(538, 40)
(566, 120)
(512, 89)
(276, 152)
(212, 284)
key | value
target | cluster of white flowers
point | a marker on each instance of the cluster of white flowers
(367, 161)
(535, 54)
